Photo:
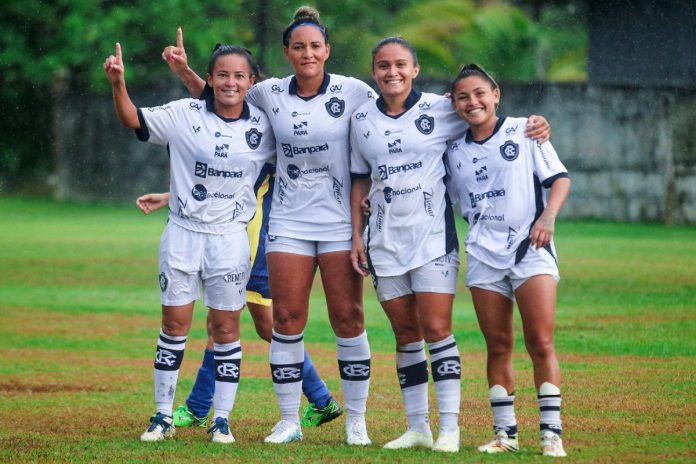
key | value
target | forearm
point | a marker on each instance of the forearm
(557, 196)
(125, 109)
(193, 82)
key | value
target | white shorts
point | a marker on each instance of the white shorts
(305, 247)
(506, 281)
(437, 276)
(221, 262)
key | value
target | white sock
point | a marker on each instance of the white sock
(412, 369)
(503, 406)
(168, 358)
(228, 357)
(354, 367)
(446, 369)
(550, 408)
(287, 361)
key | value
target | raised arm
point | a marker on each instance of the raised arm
(175, 56)
(125, 109)
(543, 229)
(359, 189)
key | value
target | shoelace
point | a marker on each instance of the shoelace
(222, 426)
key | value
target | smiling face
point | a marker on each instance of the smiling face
(475, 100)
(230, 80)
(307, 51)
(394, 71)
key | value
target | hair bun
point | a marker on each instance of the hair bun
(306, 12)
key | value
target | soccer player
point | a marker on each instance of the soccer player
(309, 223)
(499, 176)
(217, 149)
(322, 407)
(398, 142)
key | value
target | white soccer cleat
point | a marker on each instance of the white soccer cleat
(220, 432)
(412, 439)
(356, 432)
(284, 432)
(161, 427)
(447, 442)
(501, 444)
(552, 445)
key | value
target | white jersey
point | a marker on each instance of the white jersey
(498, 184)
(311, 200)
(214, 161)
(411, 221)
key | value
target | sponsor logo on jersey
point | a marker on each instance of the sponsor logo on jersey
(428, 203)
(294, 172)
(300, 129)
(459, 165)
(511, 130)
(238, 209)
(196, 129)
(476, 160)
(512, 233)
(481, 174)
(235, 277)
(228, 370)
(195, 106)
(275, 110)
(424, 105)
(509, 150)
(492, 217)
(390, 193)
(202, 170)
(380, 217)
(253, 138)
(476, 197)
(442, 260)
(370, 94)
(163, 281)
(182, 207)
(335, 88)
(286, 373)
(275, 88)
(425, 124)
(454, 146)
(295, 114)
(200, 193)
(394, 147)
(255, 119)
(360, 116)
(221, 151)
(366, 135)
(158, 108)
(387, 133)
(385, 171)
(290, 151)
(282, 194)
(335, 107)
(543, 156)
(338, 190)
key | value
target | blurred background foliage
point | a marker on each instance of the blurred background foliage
(53, 48)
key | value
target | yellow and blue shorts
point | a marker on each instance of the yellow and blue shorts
(258, 290)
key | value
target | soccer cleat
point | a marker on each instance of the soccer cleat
(501, 444)
(284, 432)
(412, 439)
(184, 417)
(552, 445)
(447, 442)
(161, 427)
(356, 432)
(220, 431)
(314, 417)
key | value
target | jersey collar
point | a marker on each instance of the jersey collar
(411, 100)
(470, 138)
(292, 88)
(210, 106)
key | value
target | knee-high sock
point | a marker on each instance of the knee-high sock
(200, 400)
(312, 386)
(446, 368)
(287, 362)
(228, 358)
(550, 408)
(412, 369)
(503, 406)
(168, 358)
(354, 367)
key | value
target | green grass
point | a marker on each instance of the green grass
(79, 314)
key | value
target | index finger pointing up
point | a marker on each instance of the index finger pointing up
(118, 52)
(179, 38)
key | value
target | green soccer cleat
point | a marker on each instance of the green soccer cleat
(314, 417)
(183, 417)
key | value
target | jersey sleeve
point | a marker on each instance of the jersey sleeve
(547, 165)
(257, 96)
(158, 124)
(359, 168)
(362, 92)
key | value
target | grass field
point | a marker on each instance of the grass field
(79, 317)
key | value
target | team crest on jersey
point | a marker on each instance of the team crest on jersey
(199, 192)
(510, 150)
(163, 282)
(335, 107)
(425, 124)
(253, 138)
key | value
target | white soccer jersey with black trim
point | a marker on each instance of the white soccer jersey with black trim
(311, 200)
(498, 184)
(411, 222)
(214, 161)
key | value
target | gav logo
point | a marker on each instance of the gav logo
(424, 105)
(290, 150)
(394, 147)
(481, 174)
(425, 124)
(476, 197)
(390, 193)
(360, 116)
(202, 170)
(385, 171)
(195, 106)
(235, 277)
(228, 370)
(253, 138)
(163, 281)
(511, 130)
(509, 150)
(294, 172)
(221, 150)
(335, 88)
(275, 88)
(255, 119)
(335, 107)
(300, 129)
(286, 373)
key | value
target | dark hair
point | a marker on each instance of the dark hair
(222, 49)
(395, 40)
(305, 16)
(468, 70)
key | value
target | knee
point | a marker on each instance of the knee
(348, 320)
(539, 346)
(500, 345)
(263, 328)
(174, 328)
(436, 331)
(287, 322)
